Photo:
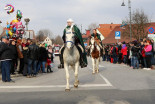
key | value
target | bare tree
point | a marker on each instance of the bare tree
(42, 34)
(92, 26)
(140, 22)
(58, 40)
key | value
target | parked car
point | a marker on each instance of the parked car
(56, 50)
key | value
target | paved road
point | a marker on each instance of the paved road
(115, 84)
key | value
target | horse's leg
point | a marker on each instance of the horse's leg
(67, 76)
(97, 65)
(93, 62)
(76, 75)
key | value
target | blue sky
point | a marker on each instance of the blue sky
(52, 14)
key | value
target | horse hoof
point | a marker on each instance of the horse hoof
(93, 73)
(75, 86)
(67, 90)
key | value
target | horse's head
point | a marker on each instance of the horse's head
(92, 40)
(70, 39)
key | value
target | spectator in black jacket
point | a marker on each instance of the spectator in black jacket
(14, 56)
(43, 55)
(135, 54)
(24, 52)
(5, 58)
(32, 59)
(114, 54)
(119, 53)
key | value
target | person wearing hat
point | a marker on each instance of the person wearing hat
(78, 40)
(97, 37)
(5, 58)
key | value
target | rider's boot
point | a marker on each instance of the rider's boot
(61, 65)
(82, 63)
(101, 52)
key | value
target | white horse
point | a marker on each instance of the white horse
(71, 58)
(95, 54)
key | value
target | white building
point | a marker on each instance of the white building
(48, 41)
(1, 29)
(29, 34)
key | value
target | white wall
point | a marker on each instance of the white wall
(1, 29)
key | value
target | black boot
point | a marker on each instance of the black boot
(82, 63)
(61, 65)
(101, 52)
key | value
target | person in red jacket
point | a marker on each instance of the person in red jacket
(124, 53)
(144, 56)
(148, 54)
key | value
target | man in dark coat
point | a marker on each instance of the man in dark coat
(32, 58)
(14, 54)
(43, 55)
(5, 58)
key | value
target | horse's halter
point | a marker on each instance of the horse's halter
(72, 42)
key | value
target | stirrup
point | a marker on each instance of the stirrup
(83, 64)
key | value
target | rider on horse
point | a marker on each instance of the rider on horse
(71, 28)
(97, 40)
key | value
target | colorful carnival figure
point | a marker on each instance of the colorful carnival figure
(19, 29)
(71, 28)
(8, 31)
(9, 8)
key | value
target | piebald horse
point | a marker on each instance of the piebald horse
(95, 53)
(71, 57)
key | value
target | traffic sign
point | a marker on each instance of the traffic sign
(85, 44)
(117, 35)
(151, 30)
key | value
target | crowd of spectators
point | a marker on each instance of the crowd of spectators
(136, 54)
(24, 56)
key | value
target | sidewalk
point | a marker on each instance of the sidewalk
(12, 76)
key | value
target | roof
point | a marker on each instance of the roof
(108, 25)
(84, 36)
(105, 29)
(111, 37)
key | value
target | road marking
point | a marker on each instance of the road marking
(105, 79)
(101, 66)
(53, 86)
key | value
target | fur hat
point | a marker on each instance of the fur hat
(70, 20)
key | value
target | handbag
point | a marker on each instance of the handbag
(148, 53)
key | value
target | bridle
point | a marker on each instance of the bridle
(72, 43)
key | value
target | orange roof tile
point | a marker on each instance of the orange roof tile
(105, 29)
(111, 37)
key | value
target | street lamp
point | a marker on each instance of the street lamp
(27, 20)
(129, 6)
